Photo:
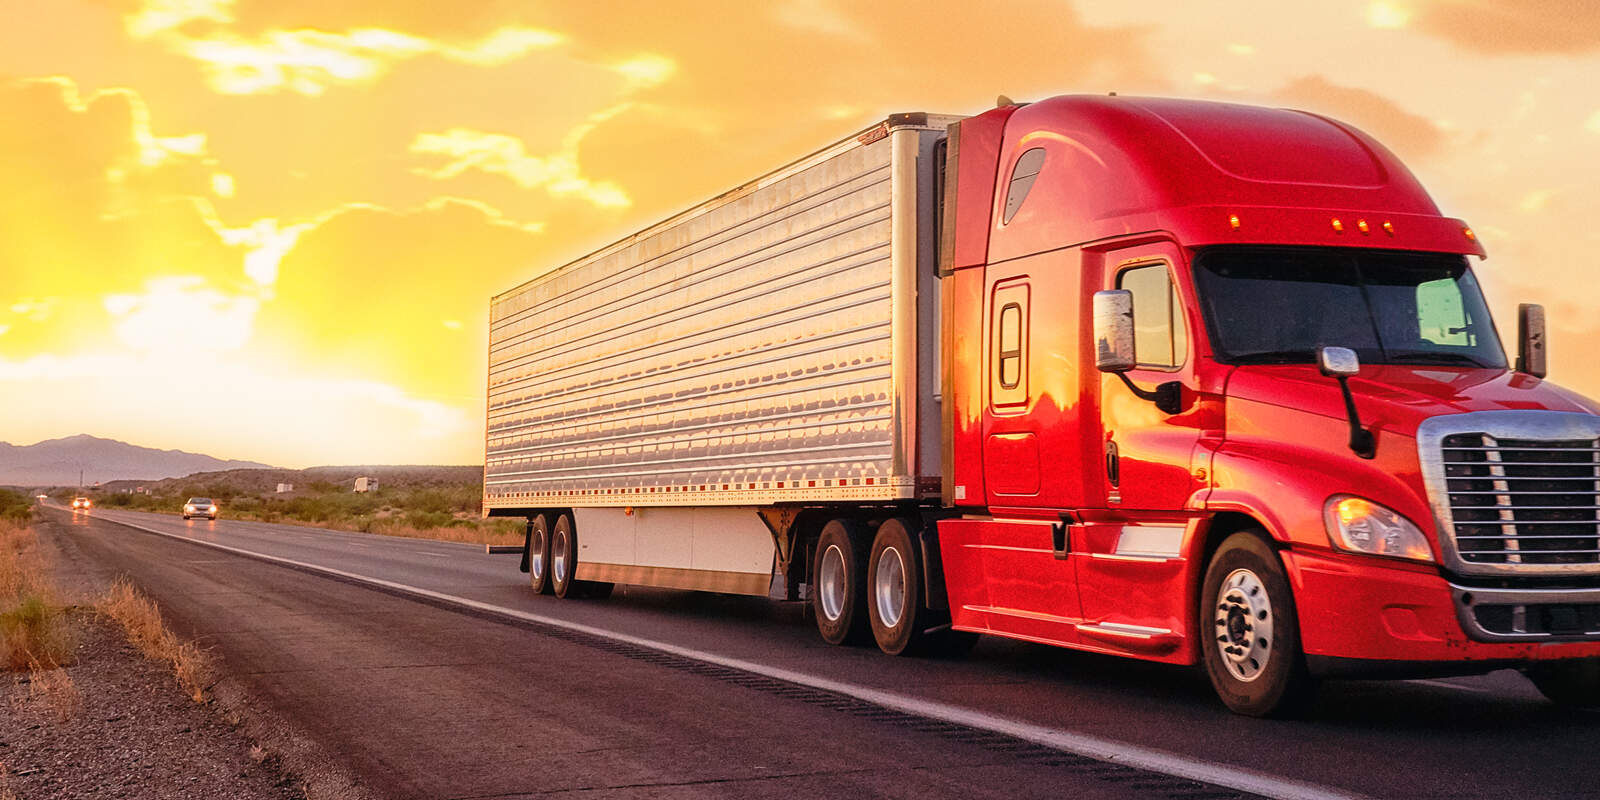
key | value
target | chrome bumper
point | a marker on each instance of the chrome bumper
(1528, 615)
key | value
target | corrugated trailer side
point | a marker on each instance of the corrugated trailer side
(760, 348)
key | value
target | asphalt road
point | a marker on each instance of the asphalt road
(430, 699)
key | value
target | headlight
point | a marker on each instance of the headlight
(1359, 525)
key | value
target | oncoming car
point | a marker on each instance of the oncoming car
(200, 507)
(80, 504)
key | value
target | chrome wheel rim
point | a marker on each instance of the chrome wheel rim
(558, 555)
(1244, 620)
(889, 587)
(831, 582)
(536, 549)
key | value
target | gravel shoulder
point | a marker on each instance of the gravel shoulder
(119, 726)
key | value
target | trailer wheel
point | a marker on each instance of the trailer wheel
(1250, 635)
(539, 554)
(837, 597)
(894, 582)
(563, 557)
(1570, 684)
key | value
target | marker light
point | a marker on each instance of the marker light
(1361, 225)
(1388, 227)
(1358, 525)
(1233, 221)
(1470, 235)
(1338, 227)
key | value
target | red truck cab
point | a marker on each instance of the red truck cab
(1219, 387)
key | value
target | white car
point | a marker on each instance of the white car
(200, 507)
(80, 504)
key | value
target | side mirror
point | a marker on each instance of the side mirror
(1113, 331)
(1342, 363)
(1530, 336)
(1338, 362)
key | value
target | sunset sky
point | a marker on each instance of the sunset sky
(269, 229)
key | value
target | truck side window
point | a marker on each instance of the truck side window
(1160, 336)
(1022, 176)
(1008, 348)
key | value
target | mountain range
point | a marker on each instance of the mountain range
(58, 462)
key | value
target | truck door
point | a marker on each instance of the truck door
(1131, 569)
(1147, 451)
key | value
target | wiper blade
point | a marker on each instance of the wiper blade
(1275, 357)
(1435, 357)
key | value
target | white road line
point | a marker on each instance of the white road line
(1109, 750)
(1448, 685)
(435, 555)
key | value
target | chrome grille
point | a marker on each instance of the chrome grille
(1524, 501)
(1514, 492)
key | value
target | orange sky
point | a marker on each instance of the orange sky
(270, 229)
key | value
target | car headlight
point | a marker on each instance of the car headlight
(1359, 525)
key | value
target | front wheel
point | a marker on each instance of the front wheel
(1250, 634)
(1571, 684)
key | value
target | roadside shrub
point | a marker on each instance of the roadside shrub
(34, 632)
(429, 519)
(34, 635)
(15, 507)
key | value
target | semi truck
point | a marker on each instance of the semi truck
(1199, 383)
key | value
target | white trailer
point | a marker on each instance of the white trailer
(672, 409)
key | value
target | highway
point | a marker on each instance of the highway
(433, 671)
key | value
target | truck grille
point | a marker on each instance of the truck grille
(1523, 501)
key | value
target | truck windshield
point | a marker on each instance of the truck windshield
(1277, 305)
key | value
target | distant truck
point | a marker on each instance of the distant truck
(362, 485)
(1190, 382)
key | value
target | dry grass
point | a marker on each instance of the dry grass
(34, 632)
(55, 690)
(6, 792)
(141, 620)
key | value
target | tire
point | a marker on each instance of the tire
(563, 557)
(1569, 684)
(894, 589)
(1250, 638)
(539, 554)
(839, 567)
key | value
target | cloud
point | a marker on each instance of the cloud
(180, 316)
(819, 16)
(308, 61)
(1509, 27)
(366, 291)
(1410, 135)
(96, 202)
(1385, 15)
(499, 154)
(157, 16)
